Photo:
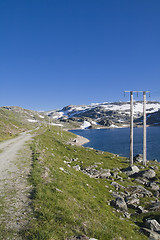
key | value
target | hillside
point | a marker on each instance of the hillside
(117, 114)
(81, 193)
(14, 120)
(76, 190)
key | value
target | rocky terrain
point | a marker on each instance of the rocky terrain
(75, 192)
(116, 114)
(128, 197)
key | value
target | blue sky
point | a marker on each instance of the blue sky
(59, 52)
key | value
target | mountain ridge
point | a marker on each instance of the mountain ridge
(113, 114)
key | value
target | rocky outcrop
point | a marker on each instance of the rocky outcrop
(105, 114)
(94, 173)
(153, 225)
(151, 234)
(131, 170)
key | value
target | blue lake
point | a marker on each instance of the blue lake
(118, 140)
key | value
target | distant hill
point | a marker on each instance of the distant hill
(14, 120)
(116, 114)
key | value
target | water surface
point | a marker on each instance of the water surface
(117, 140)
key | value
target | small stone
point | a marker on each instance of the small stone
(140, 209)
(138, 158)
(77, 168)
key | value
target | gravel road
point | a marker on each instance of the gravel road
(15, 164)
(10, 149)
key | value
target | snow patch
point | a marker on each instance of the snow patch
(94, 123)
(32, 120)
(113, 126)
(40, 116)
(57, 124)
(85, 125)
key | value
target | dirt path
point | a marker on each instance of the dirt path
(9, 154)
(15, 163)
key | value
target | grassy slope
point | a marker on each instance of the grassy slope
(12, 123)
(71, 203)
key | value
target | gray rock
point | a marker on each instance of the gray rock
(132, 206)
(138, 158)
(105, 174)
(154, 206)
(78, 238)
(139, 191)
(149, 174)
(117, 185)
(141, 180)
(152, 224)
(77, 168)
(132, 199)
(151, 234)
(126, 214)
(140, 209)
(115, 195)
(114, 174)
(153, 185)
(154, 167)
(131, 170)
(120, 203)
(81, 238)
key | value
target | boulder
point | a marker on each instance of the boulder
(121, 204)
(131, 170)
(145, 175)
(153, 185)
(152, 224)
(139, 191)
(105, 174)
(132, 199)
(148, 173)
(151, 234)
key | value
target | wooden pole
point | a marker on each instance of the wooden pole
(131, 128)
(144, 128)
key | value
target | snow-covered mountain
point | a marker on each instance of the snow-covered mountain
(107, 114)
(96, 115)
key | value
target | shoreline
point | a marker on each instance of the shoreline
(80, 141)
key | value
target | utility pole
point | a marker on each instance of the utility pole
(144, 126)
(144, 129)
(49, 124)
(131, 126)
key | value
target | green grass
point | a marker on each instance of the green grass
(71, 203)
(11, 124)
